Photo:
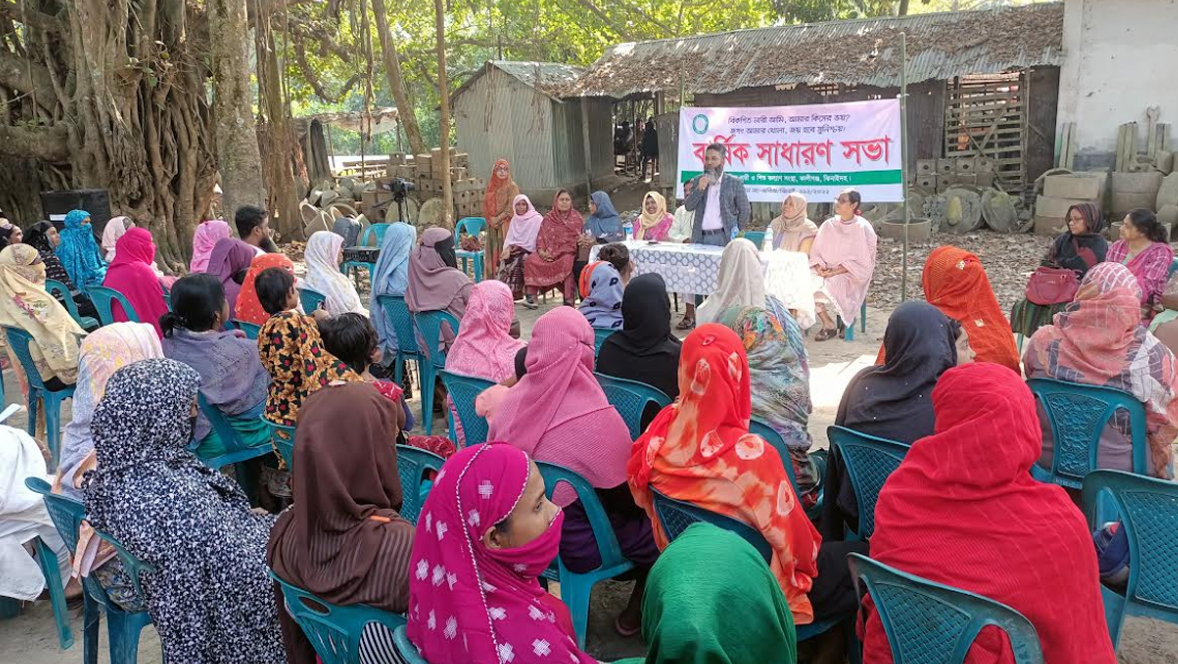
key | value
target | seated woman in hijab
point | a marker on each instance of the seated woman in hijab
(603, 225)
(1079, 249)
(232, 378)
(551, 265)
(391, 277)
(644, 349)
(210, 595)
(742, 284)
(43, 237)
(26, 305)
(1145, 249)
(115, 228)
(249, 306)
(727, 612)
(79, 252)
(1099, 340)
(230, 262)
(547, 414)
(654, 222)
(843, 255)
(435, 282)
(10, 233)
(206, 236)
(518, 245)
(792, 229)
(343, 539)
(323, 254)
(474, 594)
(892, 400)
(699, 450)
(779, 376)
(602, 303)
(962, 508)
(132, 274)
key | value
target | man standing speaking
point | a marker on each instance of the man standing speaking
(719, 201)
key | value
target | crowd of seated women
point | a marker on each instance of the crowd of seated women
(466, 575)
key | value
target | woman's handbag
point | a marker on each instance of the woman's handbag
(1052, 285)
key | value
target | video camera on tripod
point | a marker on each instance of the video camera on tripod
(399, 188)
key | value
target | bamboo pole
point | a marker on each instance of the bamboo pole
(904, 157)
(444, 128)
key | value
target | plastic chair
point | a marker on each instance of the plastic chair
(927, 622)
(575, 588)
(1148, 509)
(630, 398)
(405, 647)
(123, 628)
(1077, 415)
(757, 238)
(869, 460)
(62, 292)
(429, 323)
(282, 438)
(47, 561)
(599, 337)
(400, 318)
(375, 230)
(334, 631)
(21, 343)
(463, 391)
(849, 333)
(471, 226)
(236, 450)
(311, 299)
(412, 464)
(104, 298)
(762, 429)
(251, 330)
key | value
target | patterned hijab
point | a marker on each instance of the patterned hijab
(79, 253)
(699, 450)
(292, 351)
(189, 521)
(484, 348)
(207, 235)
(28, 306)
(229, 257)
(249, 308)
(38, 237)
(603, 306)
(391, 277)
(323, 275)
(469, 602)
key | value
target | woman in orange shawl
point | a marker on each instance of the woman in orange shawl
(249, 309)
(956, 283)
(699, 450)
(501, 191)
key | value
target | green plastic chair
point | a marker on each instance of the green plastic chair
(401, 320)
(927, 622)
(104, 299)
(1077, 415)
(762, 429)
(463, 391)
(470, 226)
(405, 647)
(849, 333)
(429, 323)
(236, 451)
(575, 588)
(251, 330)
(757, 238)
(311, 299)
(870, 461)
(334, 631)
(62, 293)
(1148, 510)
(630, 398)
(282, 438)
(21, 343)
(47, 561)
(412, 465)
(599, 337)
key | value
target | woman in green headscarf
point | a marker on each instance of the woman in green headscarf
(711, 599)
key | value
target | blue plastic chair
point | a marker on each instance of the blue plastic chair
(399, 317)
(47, 561)
(1148, 509)
(123, 628)
(762, 429)
(1077, 415)
(104, 297)
(599, 337)
(21, 343)
(870, 461)
(757, 238)
(311, 299)
(927, 622)
(630, 398)
(282, 438)
(412, 464)
(334, 631)
(236, 450)
(849, 333)
(62, 292)
(471, 226)
(463, 391)
(251, 330)
(429, 323)
(405, 648)
(575, 588)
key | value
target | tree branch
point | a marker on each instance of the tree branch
(588, 4)
(31, 18)
(316, 85)
(47, 144)
(21, 75)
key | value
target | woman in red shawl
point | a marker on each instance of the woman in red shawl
(501, 191)
(963, 510)
(551, 265)
(131, 274)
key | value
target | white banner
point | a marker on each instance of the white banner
(817, 150)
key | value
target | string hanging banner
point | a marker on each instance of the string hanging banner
(817, 150)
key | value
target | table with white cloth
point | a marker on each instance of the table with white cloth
(695, 269)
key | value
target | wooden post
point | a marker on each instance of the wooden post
(444, 123)
(585, 140)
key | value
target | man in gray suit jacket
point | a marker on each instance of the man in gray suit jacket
(718, 200)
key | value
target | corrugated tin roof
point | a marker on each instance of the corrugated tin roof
(863, 51)
(550, 78)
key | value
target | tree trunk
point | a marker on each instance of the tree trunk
(444, 123)
(903, 11)
(392, 65)
(279, 145)
(236, 137)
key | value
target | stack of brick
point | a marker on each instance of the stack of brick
(936, 176)
(1060, 193)
(425, 172)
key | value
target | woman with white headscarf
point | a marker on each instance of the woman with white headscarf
(742, 284)
(324, 250)
(519, 243)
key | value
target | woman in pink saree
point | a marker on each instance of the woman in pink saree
(843, 256)
(1144, 248)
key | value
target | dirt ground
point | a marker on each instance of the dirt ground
(31, 638)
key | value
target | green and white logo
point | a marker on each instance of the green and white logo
(699, 124)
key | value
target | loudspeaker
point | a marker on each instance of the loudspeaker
(56, 204)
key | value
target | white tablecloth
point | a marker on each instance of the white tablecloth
(695, 269)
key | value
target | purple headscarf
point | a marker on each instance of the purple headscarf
(229, 257)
